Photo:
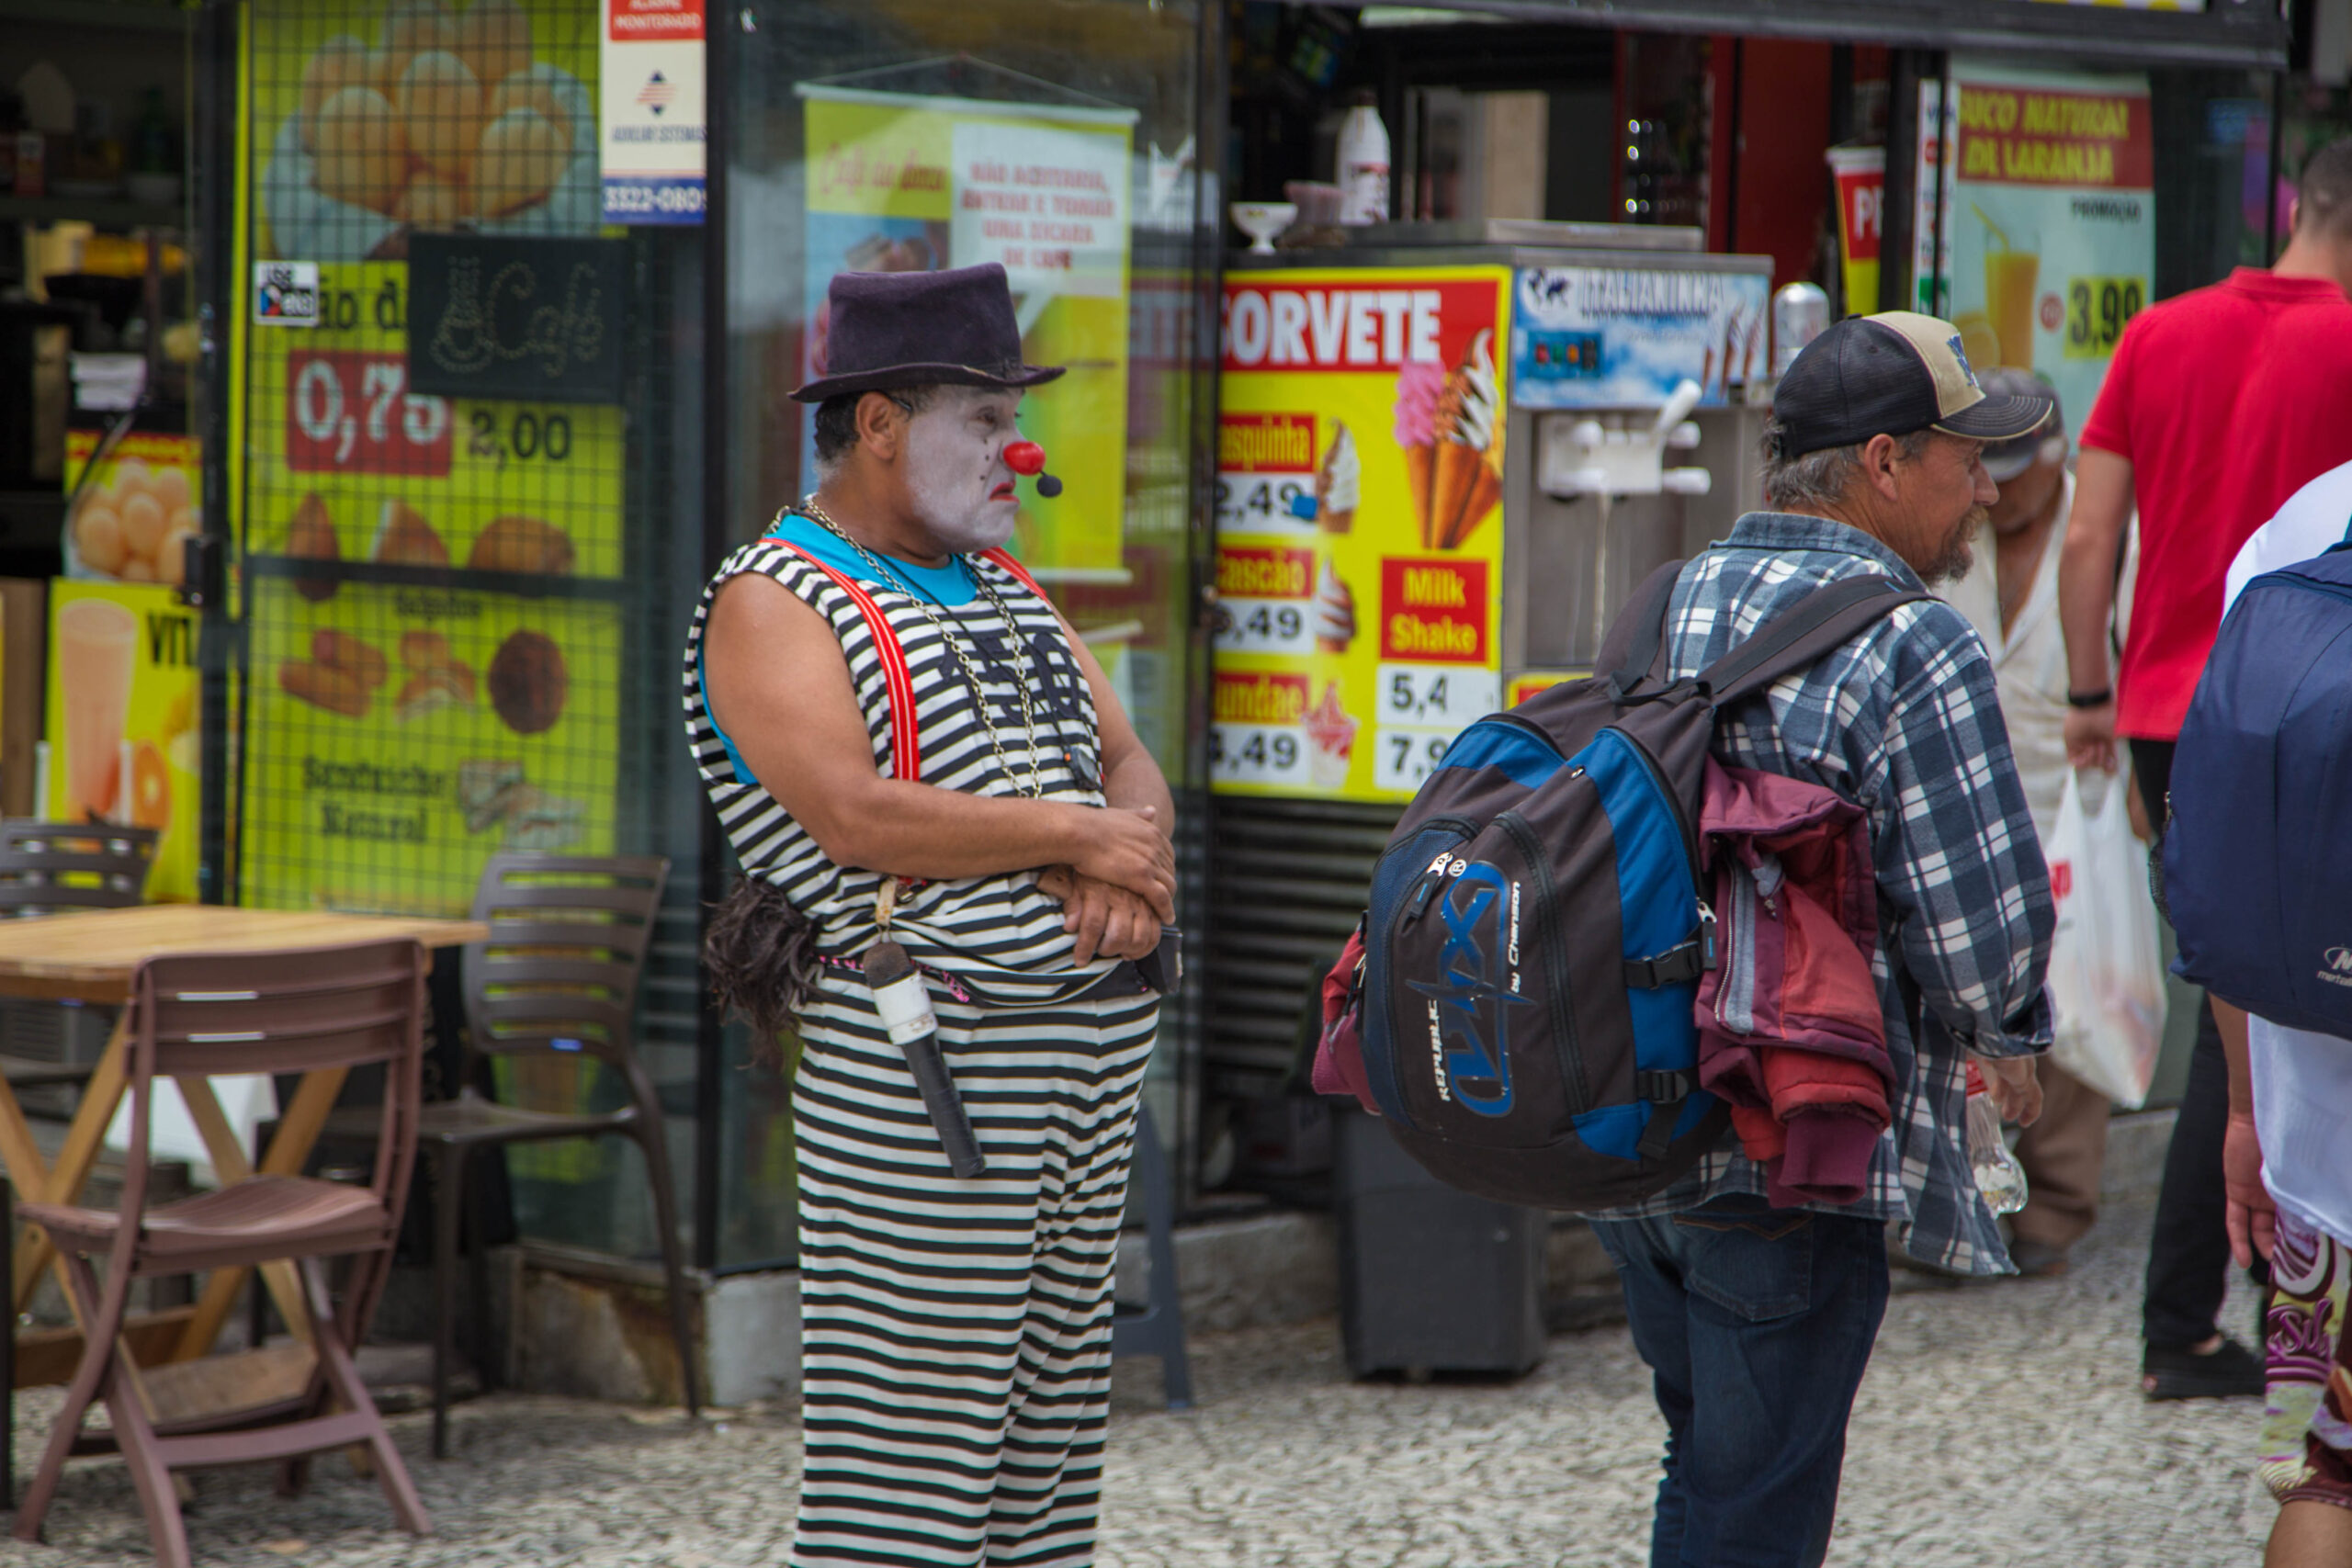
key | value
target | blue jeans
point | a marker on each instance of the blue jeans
(1757, 1323)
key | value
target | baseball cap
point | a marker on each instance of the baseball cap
(1889, 375)
(2004, 460)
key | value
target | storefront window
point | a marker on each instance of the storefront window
(1059, 140)
(465, 465)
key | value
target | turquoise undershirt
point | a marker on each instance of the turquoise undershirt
(949, 584)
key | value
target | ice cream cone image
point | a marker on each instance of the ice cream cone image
(1468, 478)
(1334, 615)
(1419, 387)
(1339, 483)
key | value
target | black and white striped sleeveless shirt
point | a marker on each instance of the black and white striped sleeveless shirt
(999, 935)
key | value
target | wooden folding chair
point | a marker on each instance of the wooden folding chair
(196, 1015)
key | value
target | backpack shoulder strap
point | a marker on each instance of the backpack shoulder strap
(906, 745)
(1635, 645)
(1822, 620)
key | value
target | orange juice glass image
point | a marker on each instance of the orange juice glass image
(97, 640)
(2011, 277)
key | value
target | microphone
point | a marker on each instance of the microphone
(1028, 457)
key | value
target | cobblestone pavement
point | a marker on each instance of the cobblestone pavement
(1999, 1424)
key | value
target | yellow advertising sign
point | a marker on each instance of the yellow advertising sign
(1359, 462)
(903, 182)
(123, 740)
(367, 119)
(130, 522)
(401, 736)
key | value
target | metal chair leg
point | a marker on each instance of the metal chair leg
(9, 1353)
(484, 1342)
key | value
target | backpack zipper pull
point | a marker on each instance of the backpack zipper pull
(1706, 935)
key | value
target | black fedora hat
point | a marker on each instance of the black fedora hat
(920, 329)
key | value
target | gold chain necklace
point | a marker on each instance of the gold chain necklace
(1036, 786)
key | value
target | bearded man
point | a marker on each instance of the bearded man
(1756, 1318)
(967, 787)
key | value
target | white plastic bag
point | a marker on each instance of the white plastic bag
(2106, 974)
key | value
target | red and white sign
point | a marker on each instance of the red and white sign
(350, 412)
(1359, 327)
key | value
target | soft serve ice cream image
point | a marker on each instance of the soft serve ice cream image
(1339, 483)
(1448, 428)
(1334, 614)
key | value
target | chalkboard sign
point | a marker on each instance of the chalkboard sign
(529, 319)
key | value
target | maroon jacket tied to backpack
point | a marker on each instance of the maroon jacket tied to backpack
(1790, 1032)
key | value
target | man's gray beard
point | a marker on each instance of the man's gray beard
(1958, 555)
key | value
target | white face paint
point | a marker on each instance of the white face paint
(957, 476)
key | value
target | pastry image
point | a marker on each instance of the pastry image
(1418, 386)
(486, 790)
(529, 682)
(404, 538)
(1330, 740)
(357, 658)
(363, 149)
(1339, 483)
(324, 686)
(132, 522)
(429, 691)
(521, 543)
(1334, 615)
(423, 650)
(311, 537)
(1468, 479)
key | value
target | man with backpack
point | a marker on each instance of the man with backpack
(2253, 776)
(2220, 404)
(1757, 1320)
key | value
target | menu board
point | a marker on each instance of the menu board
(1359, 458)
(435, 630)
(910, 182)
(2049, 223)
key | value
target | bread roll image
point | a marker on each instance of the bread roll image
(171, 487)
(536, 89)
(432, 202)
(424, 649)
(127, 476)
(521, 543)
(362, 149)
(354, 656)
(97, 537)
(323, 685)
(136, 568)
(412, 28)
(171, 555)
(522, 156)
(440, 105)
(311, 537)
(494, 38)
(143, 522)
(404, 538)
(341, 62)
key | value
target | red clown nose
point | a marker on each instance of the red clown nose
(1028, 457)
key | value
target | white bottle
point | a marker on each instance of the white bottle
(1363, 167)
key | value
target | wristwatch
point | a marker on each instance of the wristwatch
(2098, 699)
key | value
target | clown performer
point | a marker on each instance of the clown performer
(965, 797)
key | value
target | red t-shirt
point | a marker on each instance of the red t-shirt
(2227, 400)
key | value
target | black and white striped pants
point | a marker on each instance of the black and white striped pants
(955, 1336)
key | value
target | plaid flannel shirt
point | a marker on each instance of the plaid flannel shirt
(1906, 720)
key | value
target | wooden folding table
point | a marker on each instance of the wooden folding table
(91, 958)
